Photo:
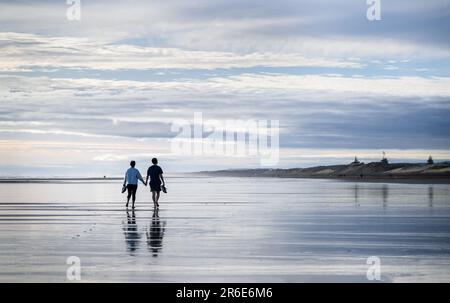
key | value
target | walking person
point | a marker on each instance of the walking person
(155, 173)
(131, 181)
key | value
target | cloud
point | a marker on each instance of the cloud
(111, 158)
(313, 110)
(21, 51)
(243, 84)
(54, 132)
(339, 29)
(24, 123)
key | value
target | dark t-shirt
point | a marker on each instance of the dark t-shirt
(154, 171)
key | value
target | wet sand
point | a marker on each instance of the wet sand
(223, 229)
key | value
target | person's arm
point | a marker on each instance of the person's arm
(125, 179)
(140, 178)
(162, 178)
(147, 177)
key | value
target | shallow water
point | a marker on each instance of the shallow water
(219, 229)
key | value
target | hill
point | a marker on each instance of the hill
(355, 171)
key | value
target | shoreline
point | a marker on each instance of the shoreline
(343, 179)
(382, 171)
(362, 173)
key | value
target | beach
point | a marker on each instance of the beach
(225, 229)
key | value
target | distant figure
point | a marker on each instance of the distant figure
(155, 173)
(430, 160)
(131, 181)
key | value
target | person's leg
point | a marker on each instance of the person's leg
(128, 195)
(157, 198)
(154, 198)
(134, 195)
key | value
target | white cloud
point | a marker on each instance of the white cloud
(257, 84)
(111, 157)
(307, 28)
(63, 120)
(395, 86)
(54, 132)
(24, 52)
(24, 123)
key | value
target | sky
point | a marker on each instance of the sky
(84, 97)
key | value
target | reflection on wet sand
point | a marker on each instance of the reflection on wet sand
(132, 236)
(155, 234)
(356, 195)
(232, 230)
(430, 196)
(385, 192)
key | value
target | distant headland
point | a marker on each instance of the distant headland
(382, 171)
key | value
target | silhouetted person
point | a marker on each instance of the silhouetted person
(132, 236)
(131, 181)
(155, 173)
(155, 234)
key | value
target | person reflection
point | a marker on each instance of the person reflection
(132, 235)
(155, 234)
(385, 193)
(356, 195)
(430, 196)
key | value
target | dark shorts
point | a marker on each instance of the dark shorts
(155, 186)
(132, 188)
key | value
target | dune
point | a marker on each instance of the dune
(423, 173)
